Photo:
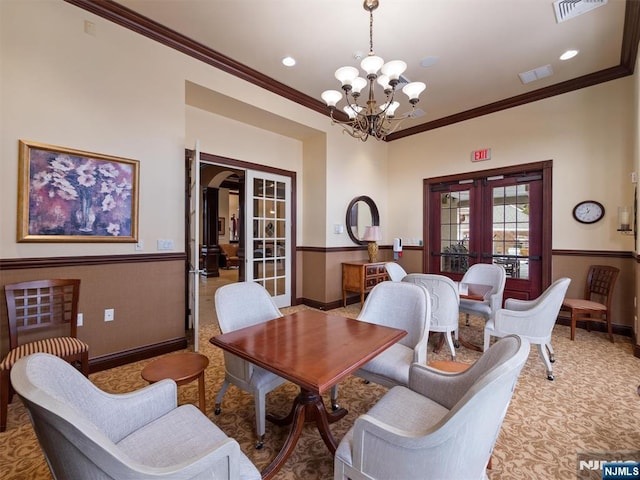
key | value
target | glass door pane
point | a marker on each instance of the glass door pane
(268, 252)
(455, 221)
(510, 229)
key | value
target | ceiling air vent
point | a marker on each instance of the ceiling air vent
(402, 81)
(568, 9)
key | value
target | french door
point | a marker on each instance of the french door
(268, 233)
(497, 216)
(193, 256)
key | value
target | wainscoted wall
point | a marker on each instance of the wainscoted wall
(575, 265)
(146, 291)
(321, 277)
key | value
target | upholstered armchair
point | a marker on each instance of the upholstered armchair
(395, 271)
(485, 274)
(229, 255)
(445, 305)
(531, 319)
(399, 305)
(444, 425)
(87, 433)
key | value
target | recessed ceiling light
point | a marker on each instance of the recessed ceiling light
(428, 61)
(288, 61)
(568, 54)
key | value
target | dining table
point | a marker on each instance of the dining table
(315, 350)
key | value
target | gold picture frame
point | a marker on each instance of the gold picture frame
(68, 195)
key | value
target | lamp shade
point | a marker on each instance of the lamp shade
(371, 64)
(413, 90)
(331, 97)
(394, 69)
(371, 234)
(352, 110)
(346, 75)
(390, 108)
(358, 84)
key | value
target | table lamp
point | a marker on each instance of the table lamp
(372, 235)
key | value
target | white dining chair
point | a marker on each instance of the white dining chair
(485, 274)
(395, 271)
(400, 305)
(530, 319)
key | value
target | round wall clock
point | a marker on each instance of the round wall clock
(588, 211)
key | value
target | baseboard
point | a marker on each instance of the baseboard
(327, 306)
(113, 360)
(624, 330)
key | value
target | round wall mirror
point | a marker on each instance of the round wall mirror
(362, 212)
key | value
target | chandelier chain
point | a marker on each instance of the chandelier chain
(371, 32)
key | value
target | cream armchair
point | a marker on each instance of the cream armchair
(398, 305)
(531, 319)
(395, 271)
(442, 426)
(87, 433)
(485, 274)
(240, 305)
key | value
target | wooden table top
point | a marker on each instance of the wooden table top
(312, 349)
(475, 291)
(180, 367)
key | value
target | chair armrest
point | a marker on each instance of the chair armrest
(120, 414)
(444, 388)
(516, 304)
(534, 322)
(384, 447)
(420, 350)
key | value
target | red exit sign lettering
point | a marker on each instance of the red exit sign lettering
(481, 155)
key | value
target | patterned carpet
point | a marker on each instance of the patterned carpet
(592, 406)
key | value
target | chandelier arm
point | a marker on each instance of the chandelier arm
(354, 100)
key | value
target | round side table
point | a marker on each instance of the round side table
(182, 368)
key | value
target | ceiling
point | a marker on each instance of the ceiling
(479, 46)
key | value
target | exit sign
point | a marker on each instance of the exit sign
(481, 155)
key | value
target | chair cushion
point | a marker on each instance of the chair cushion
(475, 307)
(169, 441)
(393, 363)
(62, 347)
(261, 378)
(402, 408)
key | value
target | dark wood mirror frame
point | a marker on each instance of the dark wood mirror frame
(352, 213)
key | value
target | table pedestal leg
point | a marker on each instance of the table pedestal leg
(307, 407)
(469, 345)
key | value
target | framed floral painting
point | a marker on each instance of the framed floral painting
(67, 195)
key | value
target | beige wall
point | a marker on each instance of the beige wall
(587, 133)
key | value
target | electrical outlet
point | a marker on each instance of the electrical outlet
(109, 313)
(80, 320)
(140, 245)
(165, 244)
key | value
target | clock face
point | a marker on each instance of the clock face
(588, 211)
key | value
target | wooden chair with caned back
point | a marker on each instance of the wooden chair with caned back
(596, 304)
(43, 316)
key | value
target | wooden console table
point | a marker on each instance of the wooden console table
(361, 277)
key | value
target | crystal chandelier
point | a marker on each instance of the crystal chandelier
(372, 119)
